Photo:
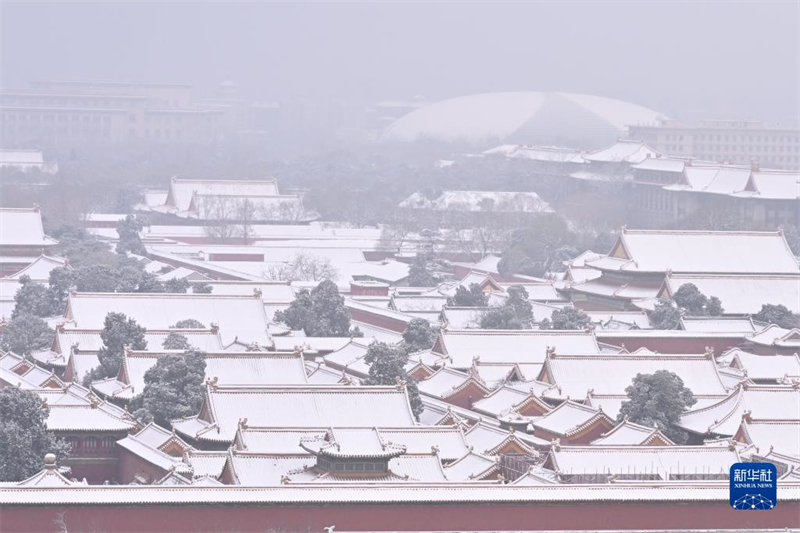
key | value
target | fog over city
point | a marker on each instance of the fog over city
(399, 266)
(692, 60)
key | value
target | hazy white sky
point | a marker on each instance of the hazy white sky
(690, 59)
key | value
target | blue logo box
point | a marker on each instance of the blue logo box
(753, 486)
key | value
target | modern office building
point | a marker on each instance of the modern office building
(724, 141)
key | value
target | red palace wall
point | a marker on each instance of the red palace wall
(420, 517)
(376, 320)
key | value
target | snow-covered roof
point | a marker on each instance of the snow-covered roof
(570, 417)
(26, 160)
(226, 368)
(489, 440)
(576, 375)
(296, 406)
(530, 117)
(500, 401)
(544, 154)
(598, 175)
(448, 440)
(607, 319)
(339, 443)
(472, 466)
(776, 336)
(23, 227)
(766, 367)
(782, 436)
(350, 357)
(626, 433)
(744, 294)
(12, 156)
(538, 292)
(271, 291)
(660, 462)
(623, 151)
(774, 185)
(716, 493)
(150, 452)
(760, 402)
(15, 370)
(8, 290)
(418, 303)
(714, 180)
(472, 493)
(285, 207)
(460, 347)
(482, 201)
(237, 316)
(182, 273)
(40, 269)
(661, 164)
(728, 252)
(89, 340)
(486, 264)
(463, 317)
(717, 324)
(446, 381)
(48, 477)
(181, 191)
(76, 409)
(261, 470)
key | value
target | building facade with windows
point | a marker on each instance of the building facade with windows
(724, 141)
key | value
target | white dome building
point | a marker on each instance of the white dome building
(484, 120)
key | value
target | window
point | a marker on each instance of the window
(90, 443)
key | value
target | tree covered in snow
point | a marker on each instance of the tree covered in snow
(569, 317)
(24, 439)
(129, 240)
(126, 277)
(469, 297)
(173, 389)
(25, 334)
(180, 285)
(419, 335)
(319, 312)
(202, 288)
(695, 303)
(33, 299)
(426, 270)
(304, 266)
(658, 400)
(387, 367)
(188, 323)
(665, 315)
(118, 332)
(176, 341)
(779, 315)
(515, 313)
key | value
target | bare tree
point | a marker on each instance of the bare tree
(289, 211)
(304, 267)
(219, 214)
(245, 216)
